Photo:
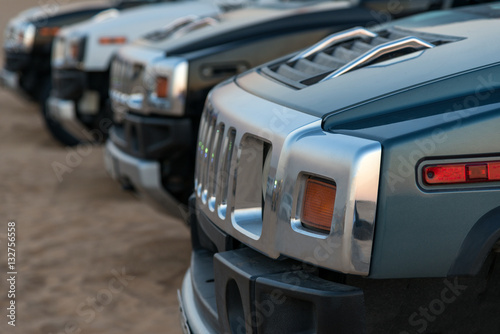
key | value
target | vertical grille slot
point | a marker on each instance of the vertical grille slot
(224, 172)
(210, 138)
(250, 181)
(213, 162)
(201, 153)
(201, 134)
(213, 167)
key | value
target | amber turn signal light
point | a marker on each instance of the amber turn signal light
(49, 31)
(318, 205)
(112, 40)
(162, 87)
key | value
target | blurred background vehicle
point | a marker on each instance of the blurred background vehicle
(81, 58)
(28, 41)
(75, 231)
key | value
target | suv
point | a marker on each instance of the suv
(159, 84)
(354, 187)
(77, 108)
(28, 42)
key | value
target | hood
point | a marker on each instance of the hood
(243, 23)
(41, 13)
(405, 80)
(142, 19)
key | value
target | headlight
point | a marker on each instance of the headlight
(166, 84)
(28, 36)
(68, 51)
(20, 36)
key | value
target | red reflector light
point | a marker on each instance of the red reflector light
(494, 171)
(318, 205)
(462, 173)
(162, 87)
(444, 174)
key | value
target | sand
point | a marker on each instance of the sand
(91, 258)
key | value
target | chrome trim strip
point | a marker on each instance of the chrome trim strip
(331, 40)
(383, 49)
(9, 79)
(64, 112)
(194, 319)
(144, 176)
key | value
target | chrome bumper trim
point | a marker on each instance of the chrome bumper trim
(144, 176)
(64, 112)
(9, 79)
(195, 322)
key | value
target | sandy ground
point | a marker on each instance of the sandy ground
(90, 257)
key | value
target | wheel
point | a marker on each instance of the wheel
(55, 129)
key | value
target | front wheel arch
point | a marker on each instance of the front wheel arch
(477, 245)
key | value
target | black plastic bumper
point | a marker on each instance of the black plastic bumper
(68, 84)
(16, 61)
(241, 291)
(169, 141)
(152, 138)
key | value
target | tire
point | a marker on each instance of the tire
(55, 129)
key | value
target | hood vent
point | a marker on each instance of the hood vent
(180, 27)
(348, 50)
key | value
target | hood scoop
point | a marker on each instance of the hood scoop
(348, 51)
(181, 27)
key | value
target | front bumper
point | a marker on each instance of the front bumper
(166, 142)
(64, 112)
(153, 138)
(230, 290)
(69, 84)
(9, 79)
(16, 60)
(142, 175)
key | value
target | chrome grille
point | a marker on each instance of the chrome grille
(223, 154)
(211, 150)
(126, 77)
(127, 90)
